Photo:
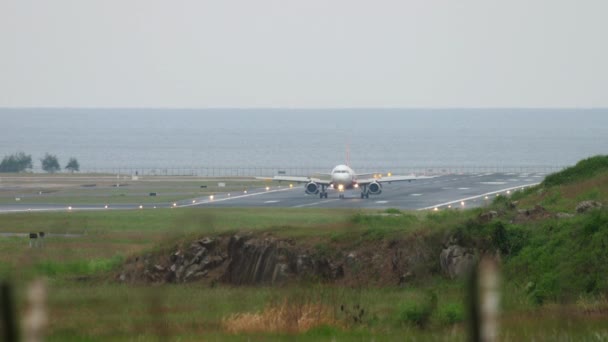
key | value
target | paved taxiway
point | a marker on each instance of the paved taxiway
(466, 190)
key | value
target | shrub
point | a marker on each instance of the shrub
(83, 267)
(584, 169)
(450, 313)
(73, 165)
(50, 163)
(392, 211)
(564, 259)
(284, 317)
(500, 201)
(418, 314)
(17, 162)
(508, 239)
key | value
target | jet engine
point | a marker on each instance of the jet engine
(374, 188)
(312, 188)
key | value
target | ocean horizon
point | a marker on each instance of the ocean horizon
(377, 138)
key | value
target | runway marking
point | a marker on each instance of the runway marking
(478, 196)
(199, 201)
(381, 202)
(231, 198)
(7, 211)
(416, 195)
(493, 183)
(464, 188)
(314, 203)
(272, 201)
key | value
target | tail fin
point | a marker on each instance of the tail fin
(348, 155)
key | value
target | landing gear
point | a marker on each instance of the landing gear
(323, 193)
(364, 192)
(341, 196)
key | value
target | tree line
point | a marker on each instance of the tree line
(21, 162)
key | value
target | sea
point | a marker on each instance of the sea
(162, 140)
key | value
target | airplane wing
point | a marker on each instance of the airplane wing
(391, 179)
(323, 174)
(296, 179)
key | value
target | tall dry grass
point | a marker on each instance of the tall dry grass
(284, 317)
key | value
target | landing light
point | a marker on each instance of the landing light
(141, 207)
(356, 186)
(436, 209)
(291, 185)
(245, 191)
(174, 205)
(340, 187)
(211, 197)
(267, 188)
(450, 206)
(486, 197)
(389, 174)
(69, 208)
(193, 201)
(462, 203)
(508, 191)
(106, 206)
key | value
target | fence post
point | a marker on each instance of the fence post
(484, 301)
(8, 314)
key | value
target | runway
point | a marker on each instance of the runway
(464, 191)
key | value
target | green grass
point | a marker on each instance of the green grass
(554, 270)
(80, 267)
(71, 189)
(584, 169)
(188, 312)
(98, 309)
(564, 258)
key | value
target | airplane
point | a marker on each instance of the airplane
(342, 178)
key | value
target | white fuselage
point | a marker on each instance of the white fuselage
(343, 177)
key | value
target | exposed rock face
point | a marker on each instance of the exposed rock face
(270, 261)
(263, 259)
(536, 213)
(238, 260)
(192, 264)
(256, 261)
(457, 261)
(585, 206)
(488, 216)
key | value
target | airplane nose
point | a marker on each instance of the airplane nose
(342, 177)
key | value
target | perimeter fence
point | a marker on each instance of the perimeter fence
(212, 171)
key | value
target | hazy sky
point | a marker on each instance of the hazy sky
(308, 53)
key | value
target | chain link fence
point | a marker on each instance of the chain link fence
(308, 171)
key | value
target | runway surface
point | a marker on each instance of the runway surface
(466, 190)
